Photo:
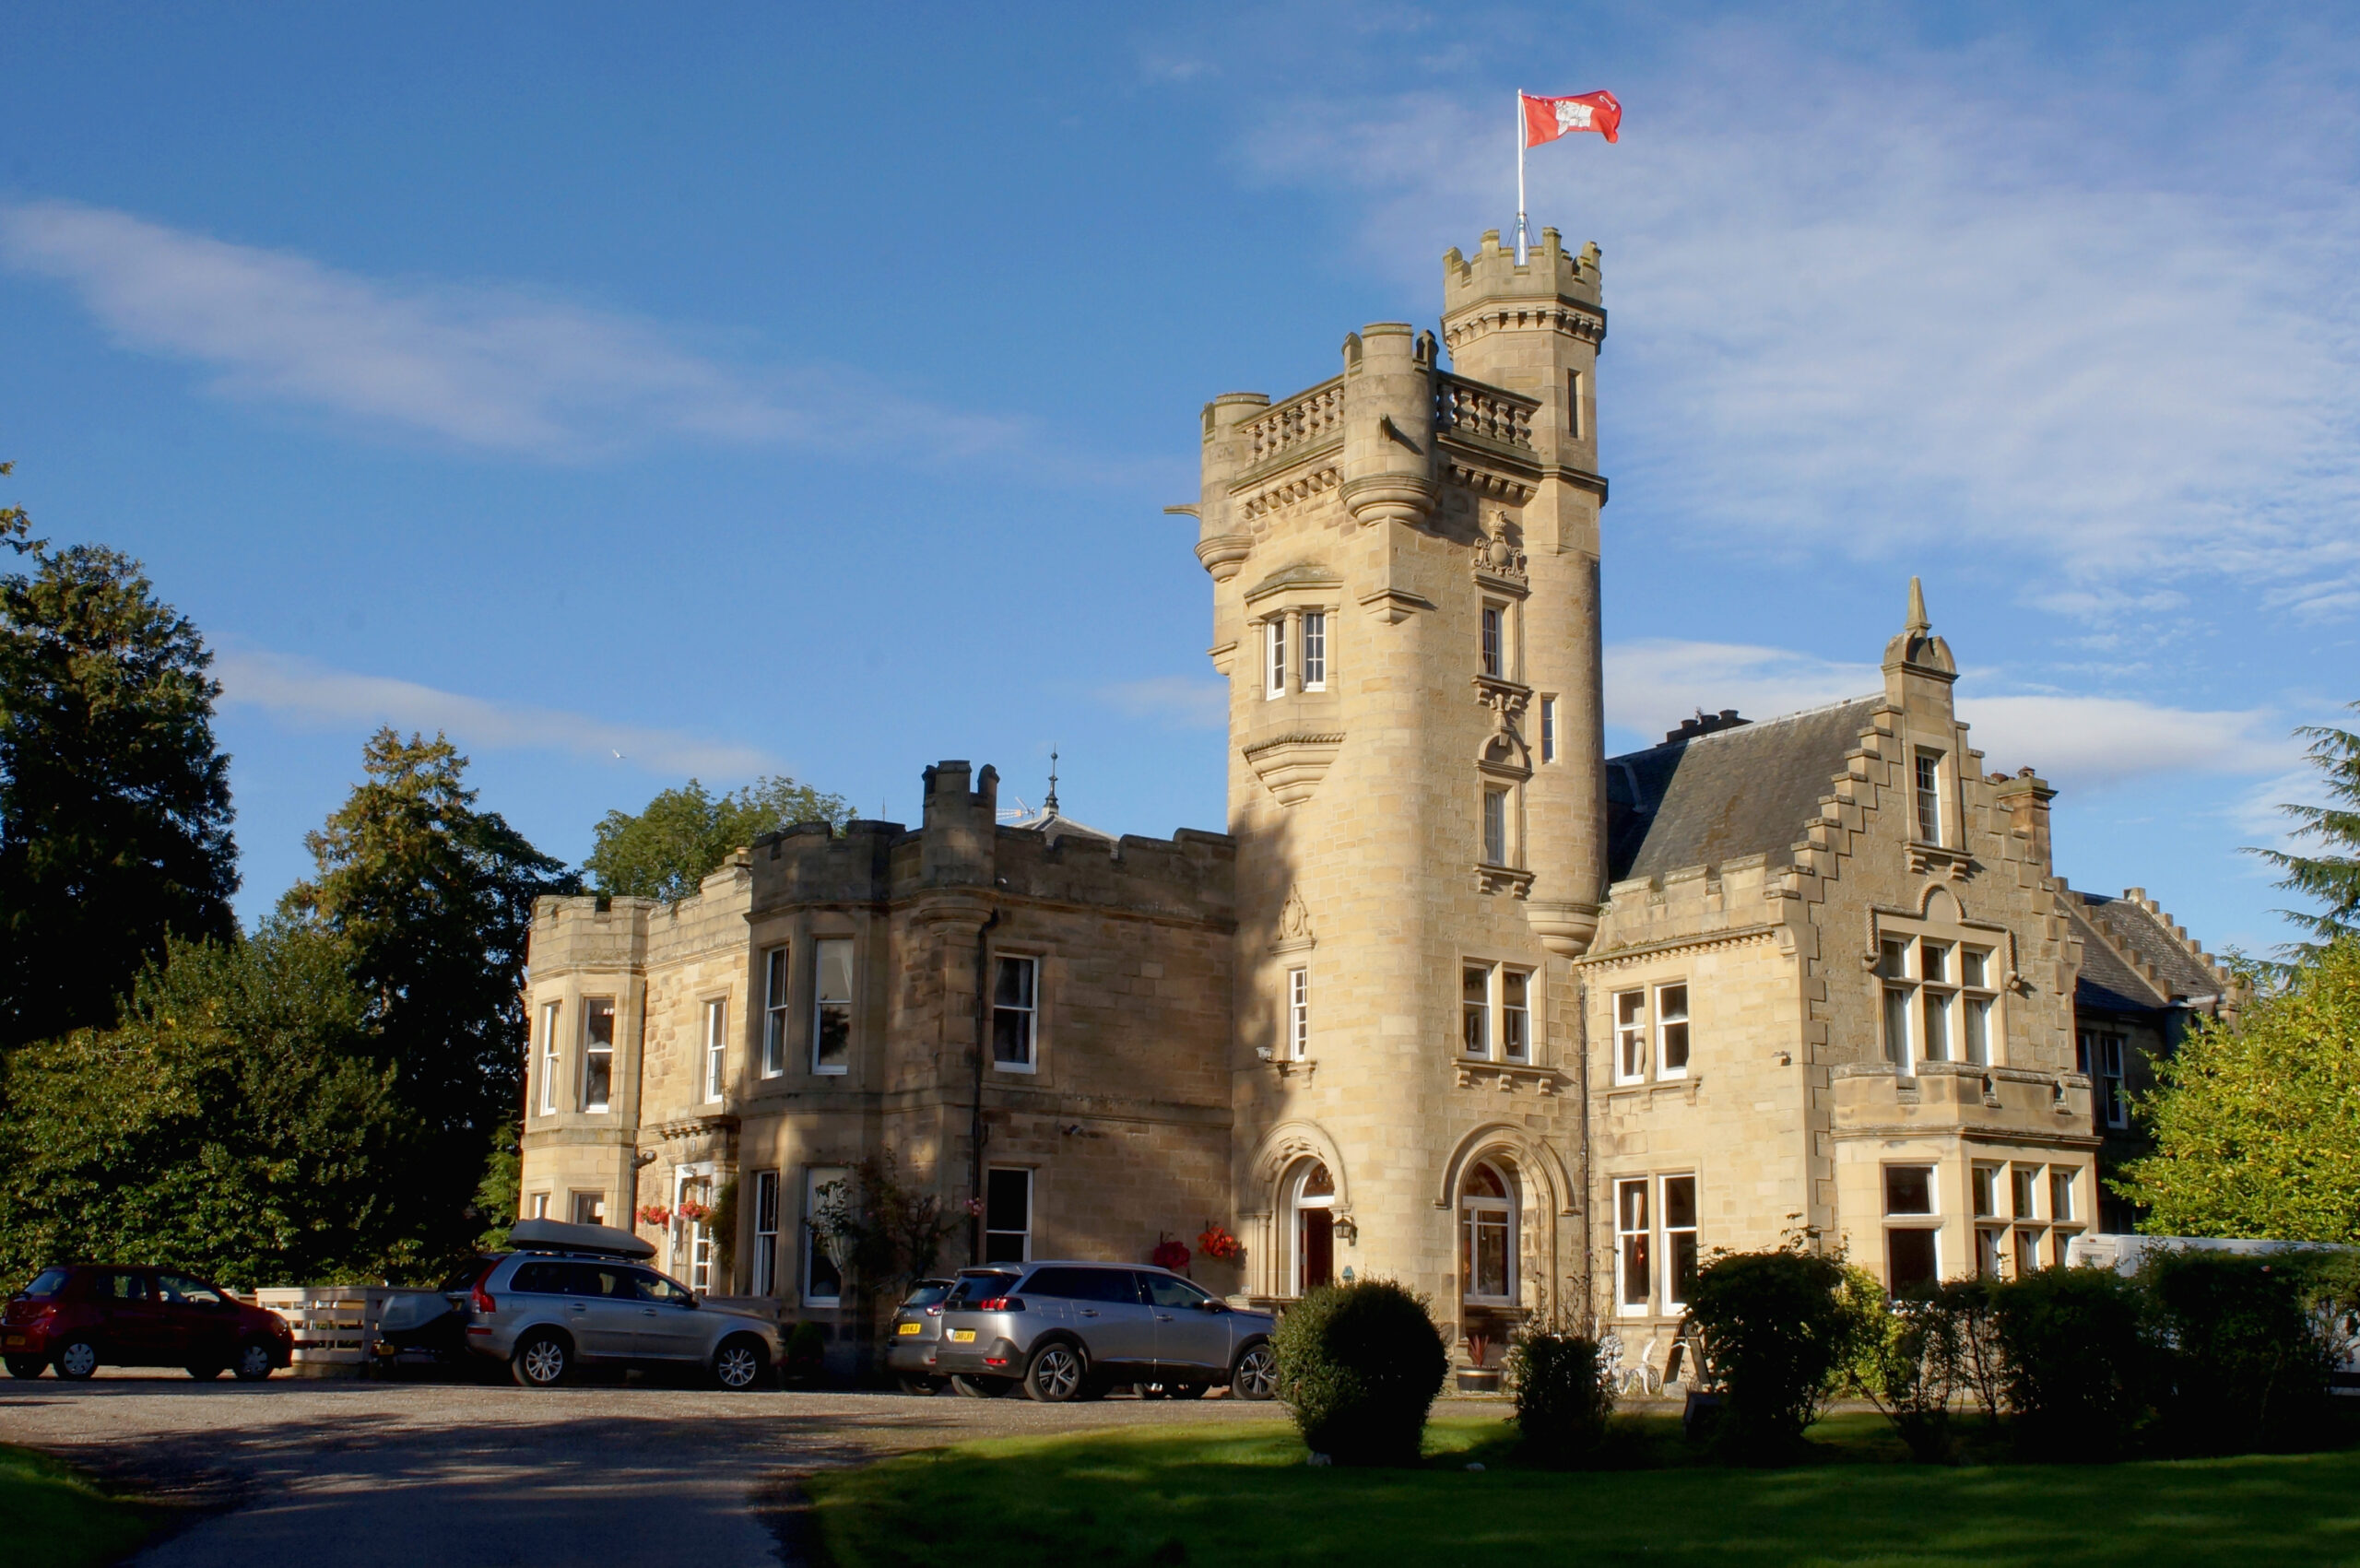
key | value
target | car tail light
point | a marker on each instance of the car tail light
(995, 1361)
(1003, 1303)
(481, 1299)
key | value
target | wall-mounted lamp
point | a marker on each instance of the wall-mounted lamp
(1348, 1228)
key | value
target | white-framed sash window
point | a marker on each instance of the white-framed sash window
(1008, 1214)
(597, 1053)
(823, 1283)
(1274, 656)
(1315, 651)
(1015, 1013)
(831, 1006)
(552, 1055)
(1298, 1014)
(775, 976)
(765, 1280)
(716, 1048)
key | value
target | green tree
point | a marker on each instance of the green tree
(498, 1195)
(234, 1121)
(431, 903)
(2257, 1123)
(683, 835)
(2332, 876)
(114, 802)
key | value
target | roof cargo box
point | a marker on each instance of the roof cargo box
(555, 1235)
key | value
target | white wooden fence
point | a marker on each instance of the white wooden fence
(333, 1325)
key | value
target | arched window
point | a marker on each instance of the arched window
(1487, 1232)
(1313, 1199)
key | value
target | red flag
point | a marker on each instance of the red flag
(1546, 119)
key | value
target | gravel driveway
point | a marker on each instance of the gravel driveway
(368, 1473)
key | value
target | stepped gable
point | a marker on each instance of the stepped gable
(1724, 794)
(2146, 947)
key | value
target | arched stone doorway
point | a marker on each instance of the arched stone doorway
(1490, 1236)
(1311, 1210)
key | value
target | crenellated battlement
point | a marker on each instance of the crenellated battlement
(1554, 288)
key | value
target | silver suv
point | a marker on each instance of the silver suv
(562, 1302)
(1067, 1330)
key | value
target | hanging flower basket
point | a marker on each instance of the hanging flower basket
(1218, 1244)
(1169, 1254)
(655, 1214)
(693, 1212)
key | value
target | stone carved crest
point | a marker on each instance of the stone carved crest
(1496, 553)
(1294, 923)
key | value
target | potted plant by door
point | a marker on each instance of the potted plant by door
(1482, 1376)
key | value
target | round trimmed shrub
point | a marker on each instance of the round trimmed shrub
(1562, 1399)
(1779, 1328)
(2080, 1360)
(1360, 1365)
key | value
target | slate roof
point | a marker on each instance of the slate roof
(2107, 981)
(1052, 827)
(1727, 795)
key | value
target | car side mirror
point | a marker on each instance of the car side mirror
(1214, 1303)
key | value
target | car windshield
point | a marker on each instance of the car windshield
(929, 1293)
(974, 1288)
(48, 1282)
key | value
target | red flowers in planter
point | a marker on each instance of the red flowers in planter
(1218, 1244)
(693, 1212)
(1169, 1254)
(655, 1214)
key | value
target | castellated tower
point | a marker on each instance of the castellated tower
(1405, 561)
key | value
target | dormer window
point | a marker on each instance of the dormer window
(1929, 797)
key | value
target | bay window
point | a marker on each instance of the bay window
(831, 1006)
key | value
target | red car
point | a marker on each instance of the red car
(87, 1315)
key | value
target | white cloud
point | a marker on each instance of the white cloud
(1882, 298)
(309, 694)
(494, 368)
(1182, 701)
(2084, 741)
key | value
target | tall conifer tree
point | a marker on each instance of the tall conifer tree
(114, 801)
(431, 901)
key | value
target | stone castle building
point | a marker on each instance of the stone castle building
(1456, 998)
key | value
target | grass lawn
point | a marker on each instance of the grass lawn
(1243, 1495)
(50, 1518)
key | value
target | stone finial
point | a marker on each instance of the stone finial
(1917, 649)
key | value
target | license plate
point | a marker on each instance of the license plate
(905, 1328)
(962, 1336)
(15, 1340)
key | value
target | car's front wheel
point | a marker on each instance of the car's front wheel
(1057, 1373)
(542, 1361)
(740, 1363)
(253, 1362)
(77, 1359)
(1256, 1376)
(26, 1366)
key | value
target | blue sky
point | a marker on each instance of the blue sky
(642, 393)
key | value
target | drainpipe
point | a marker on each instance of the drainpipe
(1589, 1199)
(975, 1125)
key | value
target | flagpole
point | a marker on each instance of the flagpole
(1520, 177)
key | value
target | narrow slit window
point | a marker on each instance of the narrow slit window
(831, 1006)
(765, 1281)
(1515, 1015)
(1548, 729)
(597, 1053)
(1672, 1030)
(775, 978)
(1495, 642)
(1573, 403)
(550, 1056)
(2114, 1097)
(1475, 1008)
(1274, 659)
(1315, 651)
(1298, 1014)
(716, 1048)
(1496, 827)
(1929, 797)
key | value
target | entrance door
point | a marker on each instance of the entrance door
(1315, 1229)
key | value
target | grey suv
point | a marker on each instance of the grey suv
(567, 1302)
(1067, 1330)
